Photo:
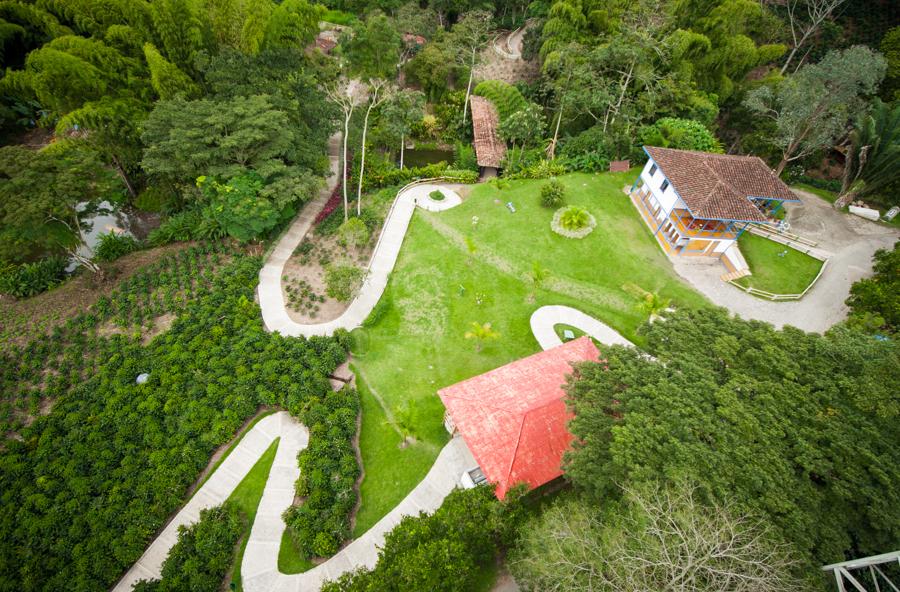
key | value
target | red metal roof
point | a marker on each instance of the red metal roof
(513, 418)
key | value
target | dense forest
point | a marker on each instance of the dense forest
(216, 120)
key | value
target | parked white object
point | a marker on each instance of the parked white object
(867, 213)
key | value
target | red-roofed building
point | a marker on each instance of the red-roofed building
(513, 418)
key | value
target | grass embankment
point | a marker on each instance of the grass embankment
(416, 343)
(246, 498)
(776, 268)
(829, 196)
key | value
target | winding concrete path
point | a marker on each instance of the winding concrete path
(271, 298)
(259, 567)
(544, 319)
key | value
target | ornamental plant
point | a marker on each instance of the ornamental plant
(553, 194)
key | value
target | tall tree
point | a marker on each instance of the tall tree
(45, 198)
(293, 23)
(468, 38)
(180, 29)
(404, 109)
(379, 91)
(665, 539)
(347, 95)
(167, 79)
(220, 138)
(764, 418)
(872, 161)
(374, 49)
(811, 108)
(112, 126)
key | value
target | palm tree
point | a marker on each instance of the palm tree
(481, 333)
(653, 305)
(873, 159)
(574, 218)
(538, 275)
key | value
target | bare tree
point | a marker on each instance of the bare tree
(379, 92)
(348, 95)
(665, 540)
(468, 37)
(74, 248)
(817, 12)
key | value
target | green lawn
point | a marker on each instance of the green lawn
(417, 346)
(790, 274)
(246, 497)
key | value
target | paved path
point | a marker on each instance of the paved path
(544, 319)
(220, 485)
(849, 240)
(259, 570)
(271, 297)
(271, 300)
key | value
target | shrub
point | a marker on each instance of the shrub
(540, 169)
(183, 226)
(443, 551)
(879, 295)
(341, 281)
(573, 222)
(203, 554)
(328, 474)
(464, 158)
(113, 245)
(457, 176)
(553, 193)
(574, 218)
(436, 195)
(29, 279)
(683, 134)
(354, 233)
(154, 199)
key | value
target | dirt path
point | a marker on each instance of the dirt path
(502, 60)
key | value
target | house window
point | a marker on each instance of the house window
(664, 186)
(653, 169)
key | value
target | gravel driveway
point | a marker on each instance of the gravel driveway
(852, 241)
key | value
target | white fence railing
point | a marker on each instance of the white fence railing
(778, 297)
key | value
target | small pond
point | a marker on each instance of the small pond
(416, 157)
(113, 217)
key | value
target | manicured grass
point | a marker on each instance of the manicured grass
(416, 345)
(290, 560)
(790, 274)
(829, 196)
(246, 497)
(391, 466)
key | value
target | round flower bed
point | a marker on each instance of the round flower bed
(573, 222)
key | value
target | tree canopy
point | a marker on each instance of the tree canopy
(775, 421)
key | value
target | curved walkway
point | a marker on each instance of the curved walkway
(222, 482)
(271, 298)
(544, 319)
(259, 567)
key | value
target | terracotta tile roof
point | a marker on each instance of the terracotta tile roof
(719, 186)
(513, 418)
(490, 150)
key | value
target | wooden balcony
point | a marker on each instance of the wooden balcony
(689, 227)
